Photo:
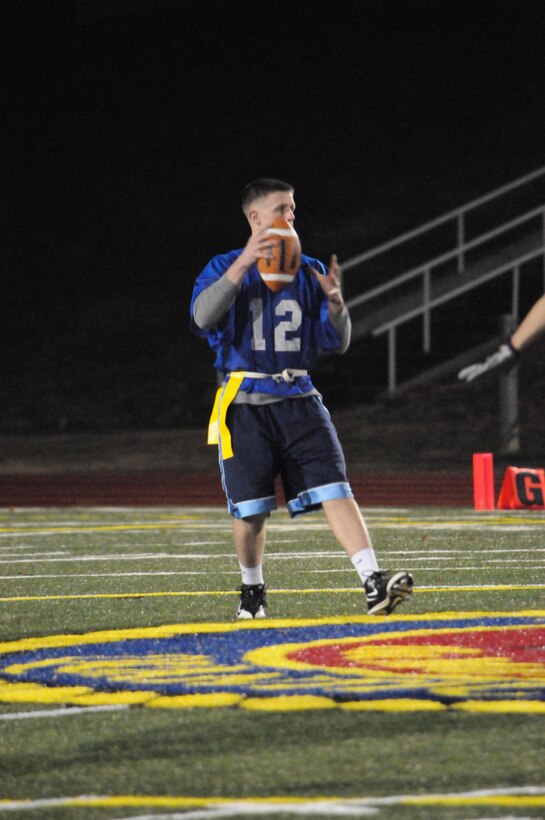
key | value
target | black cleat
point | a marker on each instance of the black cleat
(386, 590)
(253, 600)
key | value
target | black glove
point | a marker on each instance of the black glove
(505, 357)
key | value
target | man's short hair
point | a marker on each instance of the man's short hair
(260, 188)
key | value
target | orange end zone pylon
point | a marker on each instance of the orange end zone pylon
(483, 481)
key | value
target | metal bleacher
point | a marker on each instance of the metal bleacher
(490, 241)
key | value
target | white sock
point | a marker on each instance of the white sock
(252, 575)
(365, 562)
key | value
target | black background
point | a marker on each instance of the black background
(131, 127)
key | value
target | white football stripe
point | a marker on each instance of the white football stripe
(281, 232)
(275, 277)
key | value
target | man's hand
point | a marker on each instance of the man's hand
(505, 356)
(331, 284)
(258, 246)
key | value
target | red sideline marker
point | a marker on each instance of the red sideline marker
(483, 481)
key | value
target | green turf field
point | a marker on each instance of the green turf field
(128, 689)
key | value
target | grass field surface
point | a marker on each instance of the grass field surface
(128, 689)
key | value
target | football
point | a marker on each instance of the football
(278, 270)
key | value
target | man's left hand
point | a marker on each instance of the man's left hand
(331, 284)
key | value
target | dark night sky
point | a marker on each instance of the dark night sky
(131, 126)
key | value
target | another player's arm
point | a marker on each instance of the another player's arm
(531, 326)
(509, 351)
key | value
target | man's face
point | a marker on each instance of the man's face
(265, 210)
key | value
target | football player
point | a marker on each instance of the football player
(508, 353)
(268, 418)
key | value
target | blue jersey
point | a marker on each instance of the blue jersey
(268, 332)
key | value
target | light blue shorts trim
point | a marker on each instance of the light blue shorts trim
(256, 506)
(311, 500)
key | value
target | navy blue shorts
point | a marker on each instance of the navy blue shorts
(294, 439)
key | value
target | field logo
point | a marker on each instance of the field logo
(490, 661)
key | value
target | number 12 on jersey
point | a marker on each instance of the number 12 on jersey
(284, 339)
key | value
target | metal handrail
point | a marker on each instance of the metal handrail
(462, 288)
(419, 270)
(440, 220)
(458, 252)
(428, 304)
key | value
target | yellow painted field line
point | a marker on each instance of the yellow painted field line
(327, 591)
(168, 630)
(504, 800)
(181, 521)
(95, 528)
(534, 798)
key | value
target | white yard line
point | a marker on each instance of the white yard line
(330, 555)
(48, 553)
(335, 552)
(119, 574)
(305, 527)
(144, 556)
(68, 711)
(348, 570)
